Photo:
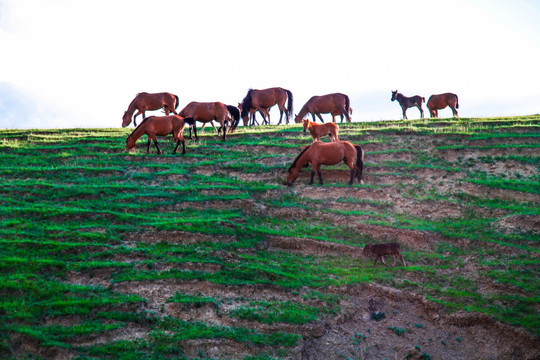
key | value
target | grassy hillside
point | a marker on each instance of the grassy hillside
(110, 255)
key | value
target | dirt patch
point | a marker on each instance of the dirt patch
(413, 327)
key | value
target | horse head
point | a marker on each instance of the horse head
(126, 119)
(394, 95)
(306, 124)
(130, 143)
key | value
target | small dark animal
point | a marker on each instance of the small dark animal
(408, 102)
(381, 250)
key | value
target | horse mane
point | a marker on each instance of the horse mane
(246, 103)
(138, 126)
(298, 157)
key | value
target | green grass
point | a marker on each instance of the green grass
(81, 221)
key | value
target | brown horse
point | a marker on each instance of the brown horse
(336, 103)
(318, 130)
(205, 112)
(145, 101)
(263, 100)
(438, 102)
(265, 113)
(320, 153)
(407, 102)
(160, 126)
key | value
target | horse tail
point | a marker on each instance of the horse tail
(233, 110)
(457, 102)
(177, 102)
(298, 157)
(423, 99)
(290, 104)
(359, 161)
(347, 103)
(246, 103)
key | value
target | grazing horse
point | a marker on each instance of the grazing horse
(438, 102)
(265, 113)
(318, 130)
(205, 112)
(263, 100)
(407, 102)
(145, 101)
(320, 153)
(381, 250)
(160, 126)
(336, 103)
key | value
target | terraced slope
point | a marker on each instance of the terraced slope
(109, 255)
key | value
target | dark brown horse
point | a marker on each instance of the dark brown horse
(321, 153)
(407, 102)
(265, 113)
(326, 104)
(160, 126)
(438, 102)
(263, 100)
(205, 112)
(145, 101)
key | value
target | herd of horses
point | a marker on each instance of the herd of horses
(261, 101)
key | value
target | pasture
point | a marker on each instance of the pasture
(110, 255)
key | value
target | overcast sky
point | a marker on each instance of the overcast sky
(68, 63)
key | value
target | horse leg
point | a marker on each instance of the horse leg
(421, 111)
(148, 145)
(382, 260)
(139, 112)
(280, 116)
(404, 109)
(353, 174)
(320, 118)
(402, 260)
(319, 173)
(454, 111)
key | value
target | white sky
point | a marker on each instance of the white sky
(68, 63)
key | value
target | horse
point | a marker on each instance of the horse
(264, 113)
(438, 102)
(326, 104)
(145, 101)
(205, 112)
(318, 130)
(407, 102)
(263, 100)
(381, 250)
(230, 120)
(154, 126)
(320, 153)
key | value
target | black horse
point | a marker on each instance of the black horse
(407, 102)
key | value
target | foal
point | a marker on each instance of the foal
(407, 102)
(317, 130)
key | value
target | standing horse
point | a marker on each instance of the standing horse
(407, 102)
(263, 100)
(264, 113)
(145, 101)
(160, 126)
(205, 112)
(438, 102)
(320, 153)
(318, 130)
(326, 104)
